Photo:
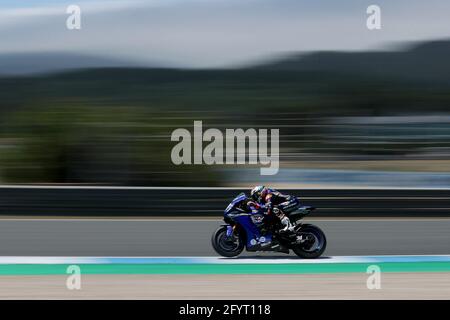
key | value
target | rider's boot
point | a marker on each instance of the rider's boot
(288, 228)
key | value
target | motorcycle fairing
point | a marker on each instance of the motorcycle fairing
(244, 219)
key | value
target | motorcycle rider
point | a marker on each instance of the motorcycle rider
(276, 202)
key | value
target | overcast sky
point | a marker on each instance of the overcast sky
(211, 33)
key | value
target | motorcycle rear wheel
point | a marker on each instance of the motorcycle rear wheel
(224, 245)
(311, 249)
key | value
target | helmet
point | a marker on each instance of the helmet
(256, 193)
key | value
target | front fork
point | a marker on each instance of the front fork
(230, 230)
(231, 234)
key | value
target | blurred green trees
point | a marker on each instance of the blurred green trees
(76, 143)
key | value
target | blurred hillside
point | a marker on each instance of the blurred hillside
(113, 125)
(45, 62)
(419, 63)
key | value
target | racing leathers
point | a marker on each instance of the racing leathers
(280, 204)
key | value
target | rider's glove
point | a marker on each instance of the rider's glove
(268, 208)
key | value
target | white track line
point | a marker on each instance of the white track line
(7, 260)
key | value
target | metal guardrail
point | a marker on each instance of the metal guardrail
(129, 201)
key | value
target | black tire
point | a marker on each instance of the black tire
(315, 250)
(224, 247)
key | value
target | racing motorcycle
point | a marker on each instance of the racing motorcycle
(256, 231)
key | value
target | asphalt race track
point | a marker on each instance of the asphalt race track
(191, 237)
(106, 249)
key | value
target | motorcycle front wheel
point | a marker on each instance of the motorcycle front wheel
(226, 246)
(315, 244)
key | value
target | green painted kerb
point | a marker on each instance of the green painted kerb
(61, 269)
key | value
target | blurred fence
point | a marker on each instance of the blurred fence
(142, 201)
(341, 178)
